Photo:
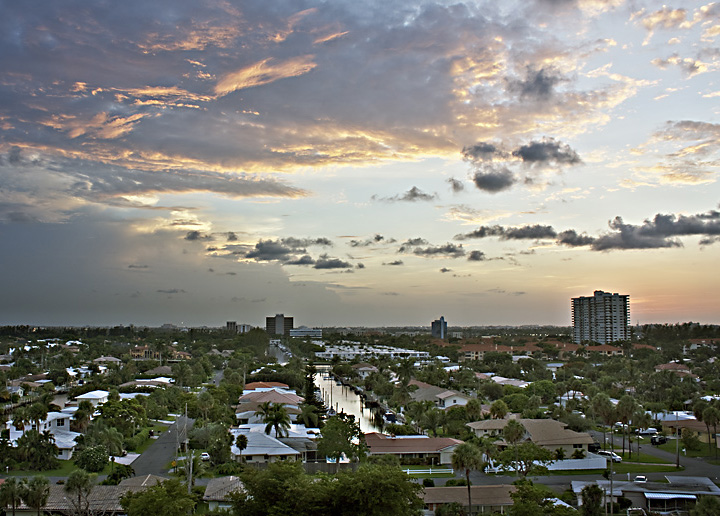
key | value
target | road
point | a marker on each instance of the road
(155, 460)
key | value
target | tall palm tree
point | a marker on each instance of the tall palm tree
(467, 457)
(79, 485)
(11, 493)
(278, 419)
(36, 492)
(513, 434)
(602, 407)
(21, 418)
(309, 415)
(37, 413)
(626, 408)
(711, 416)
(241, 441)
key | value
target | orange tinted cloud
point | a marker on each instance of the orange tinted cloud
(264, 72)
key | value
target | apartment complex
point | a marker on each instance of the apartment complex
(602, 318)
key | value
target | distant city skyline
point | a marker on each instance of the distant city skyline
(357, 163)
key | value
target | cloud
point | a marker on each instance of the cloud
(571, 238)
(688, 65)
(538, 84)
(494, 181)
(476, 256)
(396, 262)
(197, 235)
(412, 195)
(530, 232)
(231, 237)
(451, 250)
(377, 239)
(267, 250)
(445, 269)
(325, 262)
(412, 242)
(547, 152)
(481, 151)
(303, 260)
(137, 266)
(171, 291)
(456, 185)
(264, 72)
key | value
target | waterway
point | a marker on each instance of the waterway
(343, 399)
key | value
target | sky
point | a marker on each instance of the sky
(352, 163)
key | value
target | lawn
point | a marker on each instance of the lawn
(644, 457)
(66, 467)
(703, 452)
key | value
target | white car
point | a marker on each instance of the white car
(611, 455)
(204, 456)
(641, 479)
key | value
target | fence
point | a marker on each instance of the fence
(430, 471)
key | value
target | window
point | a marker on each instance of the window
(60, 422)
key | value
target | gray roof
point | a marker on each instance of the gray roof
(219, 488)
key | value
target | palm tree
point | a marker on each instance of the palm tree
(467, 457)
(309, 415)
(278, 419)
(603, 408)
(80, 484)
(626, 408)
(513, 434)
(241, 441)
(21, 417)
(499, 409)
(711, 416)
(432, 420)
(36, 492)
(11, 493)
(83, 415)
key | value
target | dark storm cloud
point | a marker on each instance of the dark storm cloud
(547, 152)
(171, 291)
(476, 256)
(495, 180)
(538, 84)
(396, 262)
(360, 266)
(571, 238)
(445, 269)
(456, 185)
(452, 250)
(628, 236)
(412, 195)
(411, 242)
(325, 262)
(482, 232)
(231, 237)
(134, 266)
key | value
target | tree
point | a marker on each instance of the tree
(309, 415)
(277, 419)
(169, 498)
(37, 412)
(37, 450)
(432, 420)
(467, 457)
(513, 434)
(340, 436)
(92, 458)
(79, 485)
(604, 409)
(528, 458)
(711, 417)
(706, 506)
(592, 498)
(531, 500)
(36, 492)
(499, 409)
(241, 441)
(11, 493)
(626, 408)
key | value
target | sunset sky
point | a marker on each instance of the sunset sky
(354, 162)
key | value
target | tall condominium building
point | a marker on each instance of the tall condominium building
(279, 325)
(602, 318)
(438, 328)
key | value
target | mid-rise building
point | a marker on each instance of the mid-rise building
(278, 325)
(602, 318)
(439, 328)
(304, 331)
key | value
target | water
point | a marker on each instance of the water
(344, 400)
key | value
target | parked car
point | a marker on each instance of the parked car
(658, 439)
(640, 479)
(204, 456)
(594, 447)
(611, 455)
(647, 431)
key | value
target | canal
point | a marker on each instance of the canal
(343, 399)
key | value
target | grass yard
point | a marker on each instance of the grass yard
(66, 467)
(703, 452)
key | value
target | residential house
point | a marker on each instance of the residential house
(94, 397)
(364, 369)
(144, 352)
(605, 349)
(436, 450)
(107, 360)
(677, 368)
(548, 433)
(261, 448)
(58, 424)
(102, 499)
(442, 398)
(218, 490)
(676, 496)
(485, 499)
